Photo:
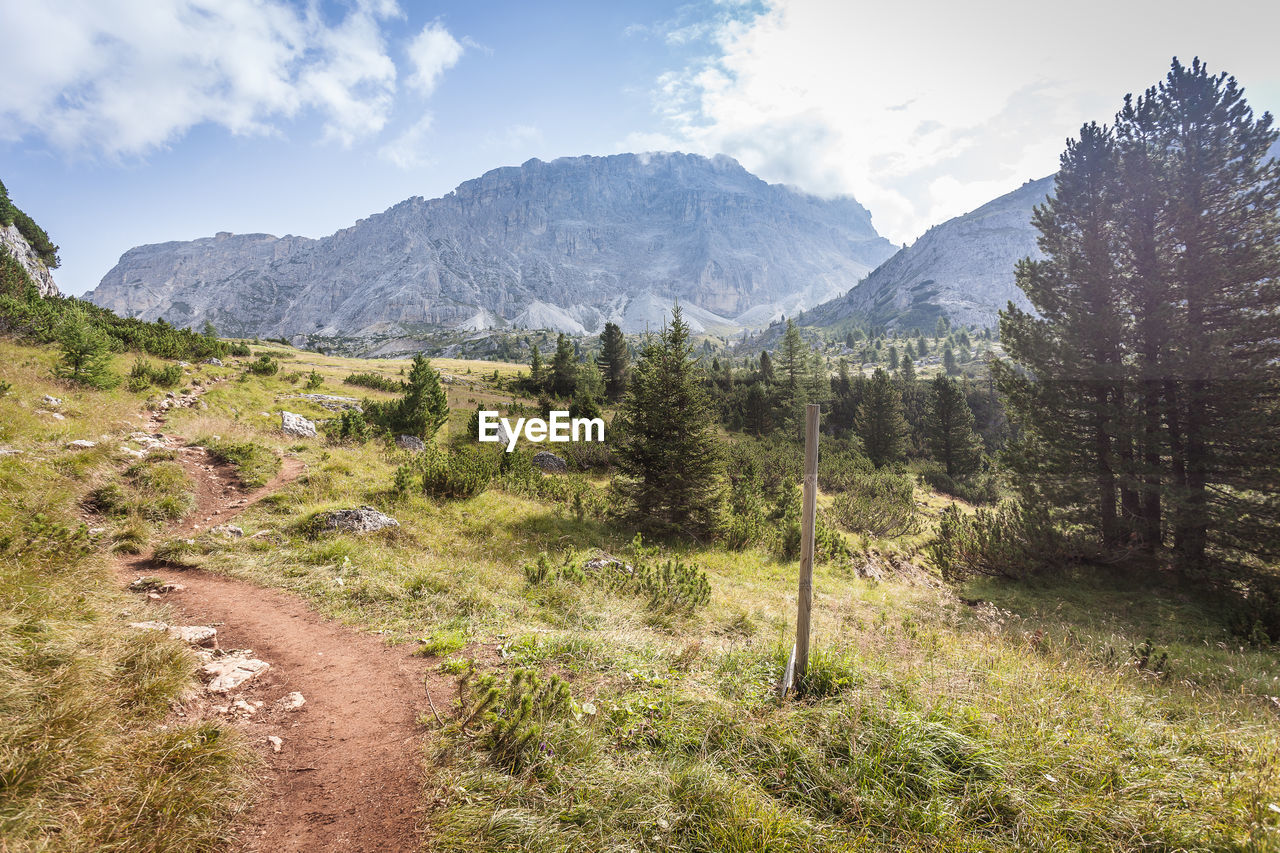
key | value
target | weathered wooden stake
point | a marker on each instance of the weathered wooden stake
(809, 510)
(799, 661)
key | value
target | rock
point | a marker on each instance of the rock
(363, 520)
(10, 451)
(549, 462)
(196, 635)
(82, 444)
(275, 742)
(291, 702)
(410, 442)
(292, 424)
(151, 584)
(14, 244)
(228, 530)
(332, 402)
(213, 361)
(227, 672)
(51, 401)
(603, 561)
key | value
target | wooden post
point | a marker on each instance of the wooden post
(808, 520)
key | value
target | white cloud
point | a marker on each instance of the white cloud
(432, 52)
(124, 77)
(927, 110)
(409, 149)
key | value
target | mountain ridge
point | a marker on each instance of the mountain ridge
(566, 244)
(961, 268)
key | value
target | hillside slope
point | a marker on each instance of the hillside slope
(962, 268)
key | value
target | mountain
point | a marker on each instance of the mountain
(962, 268)
(27, 243)
(565, 245)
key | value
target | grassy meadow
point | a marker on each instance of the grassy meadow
(1102, 710)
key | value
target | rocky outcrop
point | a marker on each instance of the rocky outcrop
(12, 241)
(411, 443)
(962, 268)
(549, 462)
(366, 519)
(296, 425)
(565, 245)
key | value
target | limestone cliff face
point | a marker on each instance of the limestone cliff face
(962, 268)
(565, 245)
(15, 244)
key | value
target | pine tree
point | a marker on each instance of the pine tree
(536, 379)
(949, 361)
(893, 358)
(766, 368)
(564, 371)
(1070, 402)
(792, 360)
(880, 423)
(1148, 386)
(949, 430)
(86, 353)
(422, 410)
(614, 361)
(907, 374)
(669, 459)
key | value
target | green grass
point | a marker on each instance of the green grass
(930, 725)
(90, 758)
(255, 465)
(1027, 722)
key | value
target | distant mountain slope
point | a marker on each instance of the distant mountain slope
(565, 245)
(962, 268)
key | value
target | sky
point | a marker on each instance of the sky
(126, 122)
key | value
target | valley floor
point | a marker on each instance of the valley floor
(1104, 710)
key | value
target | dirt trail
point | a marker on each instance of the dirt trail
(347, 776)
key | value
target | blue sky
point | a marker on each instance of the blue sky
(125, 122)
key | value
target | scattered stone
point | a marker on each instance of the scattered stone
(196, 635)
(228, 530)
(410, 442)
(151, 584)
(170, 395)
(213, 361)
(51, 401)
(82, 444)
(10, 451)
(292, 424)
(55, 415)
(332, 402)
(363, 520)
(228, 671)
(243, 707)
(291, 702)
(275, 742)
(603, 561)
(549, 462)
(97, 531)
